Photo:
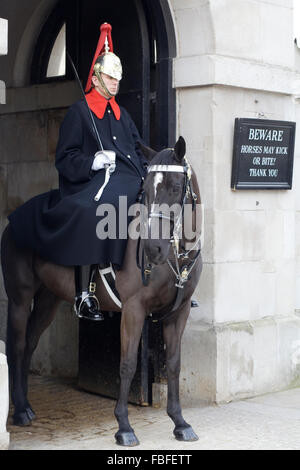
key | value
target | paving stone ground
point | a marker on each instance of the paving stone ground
(71, 419)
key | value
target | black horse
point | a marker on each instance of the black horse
(170, 273)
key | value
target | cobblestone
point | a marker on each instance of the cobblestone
(69, 418)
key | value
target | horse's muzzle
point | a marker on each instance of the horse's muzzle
(157, 251)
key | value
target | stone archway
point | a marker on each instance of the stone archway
(21, 70)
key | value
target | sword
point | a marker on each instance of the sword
(84, 97)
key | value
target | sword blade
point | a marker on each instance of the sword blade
(94, 127)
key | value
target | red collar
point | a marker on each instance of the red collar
(98, 104)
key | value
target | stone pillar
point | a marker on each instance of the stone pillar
(4, 389)
(4, 398)
(3, 51)
(232, 62)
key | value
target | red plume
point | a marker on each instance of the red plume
(105, 32)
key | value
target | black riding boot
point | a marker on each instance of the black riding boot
(86, 303)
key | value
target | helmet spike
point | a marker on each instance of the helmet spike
(106, 45)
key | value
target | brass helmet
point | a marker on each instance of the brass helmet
(110, 64)
(105, 61)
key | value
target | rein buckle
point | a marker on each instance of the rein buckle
(92, 287)
(184, 274)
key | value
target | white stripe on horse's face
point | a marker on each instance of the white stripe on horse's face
(158, 178)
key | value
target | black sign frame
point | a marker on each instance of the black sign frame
(240, 162)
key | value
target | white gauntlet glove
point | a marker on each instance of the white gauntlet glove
(101, 160)
(104, 159)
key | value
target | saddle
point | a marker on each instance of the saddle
(108, 276)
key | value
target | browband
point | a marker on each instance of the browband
(176, 168)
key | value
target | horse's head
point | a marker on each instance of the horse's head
(164, 196)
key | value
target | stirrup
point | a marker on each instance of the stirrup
(95, 317)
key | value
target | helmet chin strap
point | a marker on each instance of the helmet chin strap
(104, 88)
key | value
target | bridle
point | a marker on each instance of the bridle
(181, 273)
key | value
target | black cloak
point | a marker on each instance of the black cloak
(60, 225)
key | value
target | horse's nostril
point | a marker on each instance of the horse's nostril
(156, 252)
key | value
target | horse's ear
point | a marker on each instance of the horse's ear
(180, 148)
(147, 151)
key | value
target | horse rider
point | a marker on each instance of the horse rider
(61, 225)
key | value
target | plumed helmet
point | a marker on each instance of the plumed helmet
(104, 59)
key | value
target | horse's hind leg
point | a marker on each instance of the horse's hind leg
(173, 330)
(44, 309)
(18, 314)
(23, 331)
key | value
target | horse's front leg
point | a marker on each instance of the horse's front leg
(133, 317)
(173, 330)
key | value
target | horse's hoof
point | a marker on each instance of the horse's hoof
(30, 413)
(21, 419)
(185, 434)
(128, 439)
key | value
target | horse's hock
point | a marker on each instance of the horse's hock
(4, 398)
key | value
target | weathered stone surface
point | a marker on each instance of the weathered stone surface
(2, 92)
(55, 118)
(23, 137)
(26, 180)
(3, 189)
(4, 398)
(57, 352)
(3, 36)
(227, 361)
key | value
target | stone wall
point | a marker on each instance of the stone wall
(29, 126)
(4, 398)
(244, 338)
(3, 51)
(4, 390)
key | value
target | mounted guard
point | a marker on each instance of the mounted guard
(99, 159)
